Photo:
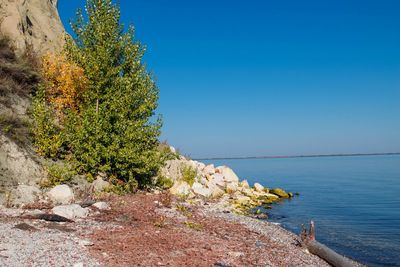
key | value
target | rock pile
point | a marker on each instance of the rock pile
(217, 183)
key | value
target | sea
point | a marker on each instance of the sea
(353, 200)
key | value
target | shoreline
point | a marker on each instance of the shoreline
(301, 156)
(140, 228)
(203, 234)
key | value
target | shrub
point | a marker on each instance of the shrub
(57, 174)
(189, 174)
(193, 225)
(164, 182)
(48, 137)
(14, 127)
(65, 83)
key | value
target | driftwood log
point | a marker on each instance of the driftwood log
(307, 240)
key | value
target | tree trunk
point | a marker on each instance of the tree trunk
(308, 241)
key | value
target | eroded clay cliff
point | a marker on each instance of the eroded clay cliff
(32, 22)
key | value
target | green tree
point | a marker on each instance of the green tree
(117, 130)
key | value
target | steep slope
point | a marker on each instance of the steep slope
(24, 25)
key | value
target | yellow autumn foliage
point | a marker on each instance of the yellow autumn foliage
(65, 82)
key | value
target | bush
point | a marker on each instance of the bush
(189, 174)
(164, 182)
(48, 138)
(65, 83)
(57, 174)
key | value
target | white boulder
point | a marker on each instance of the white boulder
(231, 187)
(209, 169)
(180, 188)
(199, 189)
(228, 174)
(258, 187)
(218, 179)
(71, 211)
(61, 194)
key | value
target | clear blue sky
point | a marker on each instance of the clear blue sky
(261, 77)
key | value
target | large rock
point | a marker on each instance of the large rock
(99, 184)
(180, 188)
(199, 189)
(218, 179)
(33, 23)
(209, 169)
(272, 197)
(229, 174)
(242, 200)
(279, 192)
(231, 187)
(71, 211)
(173, 169)
(61, 194)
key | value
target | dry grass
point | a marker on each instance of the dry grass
(14, 127)
(17, 78)
(17, 74)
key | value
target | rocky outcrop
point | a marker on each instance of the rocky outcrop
(34, 23)
(217, 183)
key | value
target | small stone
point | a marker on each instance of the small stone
(86, 243)
(101, 205)
(79, 264)
(262, 216)
(235, 254)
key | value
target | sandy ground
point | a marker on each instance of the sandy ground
(150, 230)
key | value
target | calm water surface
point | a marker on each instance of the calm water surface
(354, 201)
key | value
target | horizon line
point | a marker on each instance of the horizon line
(302, 156)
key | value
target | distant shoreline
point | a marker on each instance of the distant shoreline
(302, 156)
